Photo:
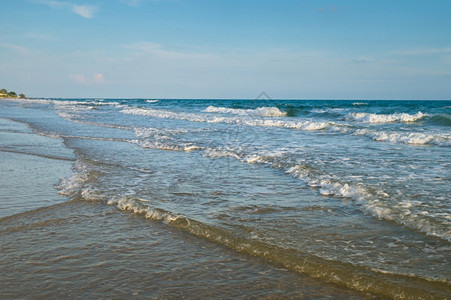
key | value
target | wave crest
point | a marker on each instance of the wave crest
(382, 118)
(333, 271)
(259, 111)
(306, 125)
(412, 138)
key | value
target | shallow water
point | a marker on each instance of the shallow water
(90, 250)
(29, 165)
(355, 194)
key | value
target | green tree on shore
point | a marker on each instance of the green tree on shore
(5, 94)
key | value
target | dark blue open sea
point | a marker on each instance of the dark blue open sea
(152, 198)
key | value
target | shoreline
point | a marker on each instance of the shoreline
(91, 248)
(118, 168)
(30, 172)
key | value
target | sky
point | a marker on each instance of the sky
(155, 49)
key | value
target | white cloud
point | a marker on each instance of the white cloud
(53, 4)
(86, 11)
(96, 78)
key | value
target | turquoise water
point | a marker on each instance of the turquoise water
(350, 193)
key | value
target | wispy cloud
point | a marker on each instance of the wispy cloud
(131, 2)
(361, 60)
(38, 36)
(16, 48)
(332, 8)
(153, 49)
(52, 3)
(143, 46)
(83, 79)
(135, 3)
(86, 11)
(425, 51)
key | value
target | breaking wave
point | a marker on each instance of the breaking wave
(381, 118)
(260, 111)
(413, 138)
(239, 120)
(371, 200)
(333, 271)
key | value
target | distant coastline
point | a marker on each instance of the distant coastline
(5, 94)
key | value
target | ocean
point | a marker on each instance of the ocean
(148, 198)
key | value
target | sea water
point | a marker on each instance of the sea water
(302, 198)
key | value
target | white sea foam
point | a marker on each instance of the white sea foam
(189, 148)
(359, 103)
(326, 185)
(136, 206)
(318, 110)
(221, 152)
(162, 139)
(265, 157)
(375, 202)
(260, 111)
(381, 118)
(255, 158)
(71, 185)
(170, 146)
(306, 125)
(145, 132)
(69, 116)
(30, 100)
(74, 104)
(414, 138)
(152, 101)
(332, 110)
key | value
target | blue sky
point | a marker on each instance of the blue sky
(338, 49)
